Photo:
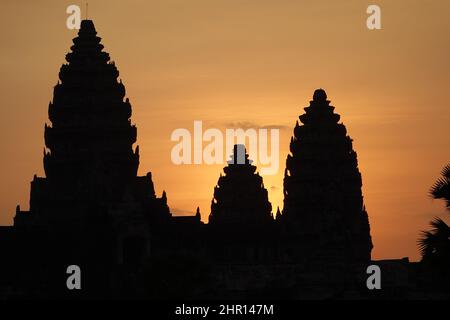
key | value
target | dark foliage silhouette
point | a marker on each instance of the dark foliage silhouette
(441, 188)
(434, 244)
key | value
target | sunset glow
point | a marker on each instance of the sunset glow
(249, 64)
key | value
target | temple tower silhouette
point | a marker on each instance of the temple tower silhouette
(323, 201)
(240, 197)
(91, 187)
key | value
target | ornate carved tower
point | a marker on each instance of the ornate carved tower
(240, 197)
(89, 162)
(323, 202)
(91, 134)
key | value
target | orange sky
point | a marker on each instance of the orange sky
(254, 62)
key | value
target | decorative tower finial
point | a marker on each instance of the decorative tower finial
(197, 214)
(320, 95)
(239, 155)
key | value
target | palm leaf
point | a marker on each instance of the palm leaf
(435, 242)
(446, 171)
(441, 188)
(427, 244)
(440, 228)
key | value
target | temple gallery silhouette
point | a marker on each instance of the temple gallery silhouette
(92, 210)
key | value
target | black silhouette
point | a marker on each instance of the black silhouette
(240, 197)
(441, 189)
(92, 210)
(322, 185)
(435, 244)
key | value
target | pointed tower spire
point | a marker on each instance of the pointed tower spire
(322, 183)
(197, 214)
(89, 118)
(240, 197)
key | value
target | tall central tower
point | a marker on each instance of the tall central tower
(91, 209)
(89, 161)
(91, 137)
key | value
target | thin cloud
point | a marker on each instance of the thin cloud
(253, 125)
(181, 212)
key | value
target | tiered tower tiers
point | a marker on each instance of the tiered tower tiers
(240, 197)
(89, 162)
(323, 202)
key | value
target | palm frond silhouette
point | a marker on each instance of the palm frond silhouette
(441, 188)
(434, 244)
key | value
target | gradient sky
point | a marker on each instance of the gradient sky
(250, 63)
